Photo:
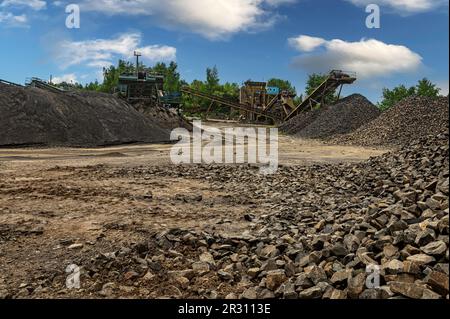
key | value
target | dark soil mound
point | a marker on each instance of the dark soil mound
(408, 120)
(343, 117)
(31, 116)
(168, 119)
(296, 124)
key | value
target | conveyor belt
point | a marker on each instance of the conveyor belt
(330, 85)
(9, 83)
(235, 105)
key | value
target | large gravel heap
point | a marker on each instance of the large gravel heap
(167, 118)
(31, 116)
(410, 119)
(343, 117)
(325, 225)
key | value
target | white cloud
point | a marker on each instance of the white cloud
(443, 85)
(368, 57)
(68, 78)
(276, 3)
(306, 43)
(104, 52)
(213, 19)
(404, 6)
(158, 53)
(10, 20)
(33, 4)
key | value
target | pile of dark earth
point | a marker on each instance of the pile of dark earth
(343, 117)
(167, 118)
(326, 226)
(32, 116)
(410, 119)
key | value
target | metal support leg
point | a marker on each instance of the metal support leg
(209, 108)
(340, 91)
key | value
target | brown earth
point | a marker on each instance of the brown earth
(51, 199)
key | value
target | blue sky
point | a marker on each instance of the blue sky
(245, 39)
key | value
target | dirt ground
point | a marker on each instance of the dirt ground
(51, 199)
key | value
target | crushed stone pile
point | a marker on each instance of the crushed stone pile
(325, 225)
(410, 119)
(299, 122)
(343, 117)
(32, 116)
(167, 118)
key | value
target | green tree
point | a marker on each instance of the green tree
(211, 85)
(391, 97)
(159, 68)
(230, 91)
(212, 79)
(193, 103)
(111, 75)
(172, 78)
(283, 85)
(93, 86)
(69, 86)
(314, 81)
(426, 88)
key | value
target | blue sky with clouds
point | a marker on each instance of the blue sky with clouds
(246, 39)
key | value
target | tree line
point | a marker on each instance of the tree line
(230, 90)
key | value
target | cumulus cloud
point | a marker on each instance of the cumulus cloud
(10, 20)
(404, 6)
(105, 52)
(306, 43)
(443, 85)
(32, 4)
(276, 3)
(68, 78)
(367, 57)
(213, 19)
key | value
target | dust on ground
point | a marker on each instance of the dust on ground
(51, 198)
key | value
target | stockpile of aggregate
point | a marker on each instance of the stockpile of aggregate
(408, 120)
(167, 118)
(344, 117)
(32, 116)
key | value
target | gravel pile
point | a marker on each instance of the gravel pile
(167, 118)
(410, 119)
(343, 117)
(327, 228)
(31, 116)
(299, 122)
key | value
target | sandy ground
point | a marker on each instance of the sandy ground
(292, 151)
(51, 198)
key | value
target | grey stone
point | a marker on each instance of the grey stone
(311, 293)
(435, 248)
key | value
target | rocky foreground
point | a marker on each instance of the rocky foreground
(325, 225)
(309, 232)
